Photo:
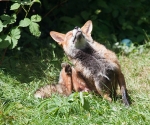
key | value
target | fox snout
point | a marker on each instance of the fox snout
(79, 39)
(76, 27)
(77, 33)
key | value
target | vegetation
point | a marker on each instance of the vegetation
(30, 59)
(113, 21)
(18, 106)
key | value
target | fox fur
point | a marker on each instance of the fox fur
(98, 66)
(69, 81)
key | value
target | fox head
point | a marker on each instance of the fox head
(78, 38)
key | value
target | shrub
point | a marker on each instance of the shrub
(113, 21)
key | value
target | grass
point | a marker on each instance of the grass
(19, 78)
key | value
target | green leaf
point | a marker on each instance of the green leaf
(14, 43)
(15, 6)
(5, 17)
(25, 22)
(53, 110)
(27, 2)
(13, 18)
(35, 18)
(5, 42)
(73, 97)
(18, 1)
(86, 105)
(8, 38)
(36, 1)
(81, 98)
(15, 35)
(97, 11)
(1, 26)
(43, 104)
(34, 29)
(8, 19)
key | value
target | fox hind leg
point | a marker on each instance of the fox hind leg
(122, 84)
(103, 93)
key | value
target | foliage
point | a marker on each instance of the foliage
(65, 106)
(127, 49)
(10, 31)
(130, 49)
(113, 21)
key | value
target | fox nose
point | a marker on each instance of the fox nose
(76, 27)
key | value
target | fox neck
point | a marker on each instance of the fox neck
(81, 44)
(75, 52)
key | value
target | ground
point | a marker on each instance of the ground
(20, 78)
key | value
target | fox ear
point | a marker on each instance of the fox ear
(58, 37)
(87, 27)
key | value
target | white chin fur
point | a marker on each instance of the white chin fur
(74, 32)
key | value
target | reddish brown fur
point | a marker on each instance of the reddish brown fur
(102, 52)
(71, 79)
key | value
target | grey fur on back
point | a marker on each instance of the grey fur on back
(93, 62)
(96, 69)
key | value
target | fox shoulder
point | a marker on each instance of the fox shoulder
(100, 49)
(106, 53)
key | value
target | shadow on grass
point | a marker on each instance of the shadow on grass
(28, 65)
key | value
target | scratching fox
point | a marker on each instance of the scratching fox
(69, 80)
(98, 66)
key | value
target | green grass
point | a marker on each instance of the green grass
(20, 78)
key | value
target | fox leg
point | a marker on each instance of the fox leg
(102, 92)
(107, 97)
(122, 84)
(67, 77)
(69, 83)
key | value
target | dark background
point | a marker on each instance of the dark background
(113, 21)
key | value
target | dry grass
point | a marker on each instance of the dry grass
(137, 74)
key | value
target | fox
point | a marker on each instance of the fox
(69, 81)
(98, 66)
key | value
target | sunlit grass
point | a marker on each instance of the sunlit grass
(18, 106)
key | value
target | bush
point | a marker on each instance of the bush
(113, 21)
